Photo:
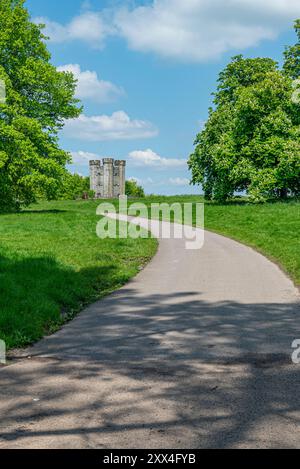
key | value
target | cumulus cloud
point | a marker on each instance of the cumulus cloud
(89, 27)
(82, 158)
(193, 30)
(140, 181)
(198, 30)
(152, 159)
(118, 126)
(90, 86)
(73, 171)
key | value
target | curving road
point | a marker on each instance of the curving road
(195, 352)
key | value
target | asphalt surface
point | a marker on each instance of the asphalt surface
(195, 352)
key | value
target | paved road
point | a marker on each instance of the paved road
(193, 353)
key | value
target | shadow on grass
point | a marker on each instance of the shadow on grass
(34, 212)
(245, 202)
(37, 294)
(54, 211)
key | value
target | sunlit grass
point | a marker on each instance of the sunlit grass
(52, 264)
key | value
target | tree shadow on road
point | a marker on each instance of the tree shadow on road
(166, 371)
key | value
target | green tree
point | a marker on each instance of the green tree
(292, 56)
(75, 187)
(38, 100)
(133, 189)
(251, 140)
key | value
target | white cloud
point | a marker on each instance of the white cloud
(90, 86)
(72, 171)
(194, 30)
(142, 182)
(190, 30)
(118, 126)
(89, 27)
(82, 158)
(179, 181)
(152, 159)
(134, 179)
(199, 30)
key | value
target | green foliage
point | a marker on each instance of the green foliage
(133, 189)
(292, 56)
(38, 100)
(251, 140)
(75, 187)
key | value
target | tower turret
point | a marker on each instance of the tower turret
(95, 174)
(108, 178)
(122, 175)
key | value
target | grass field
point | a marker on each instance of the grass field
(52, 264)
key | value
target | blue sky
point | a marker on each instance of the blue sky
(146, 71)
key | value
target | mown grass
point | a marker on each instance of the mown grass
(271, 228)
(52, 264)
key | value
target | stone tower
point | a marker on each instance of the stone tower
(107, 178)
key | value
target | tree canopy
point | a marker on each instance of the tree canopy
(251, 140)
(38, 100)
(75, 186)
(292, 56)
(133, 189)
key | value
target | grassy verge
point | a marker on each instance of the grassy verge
(271, 228)
(52, 264)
